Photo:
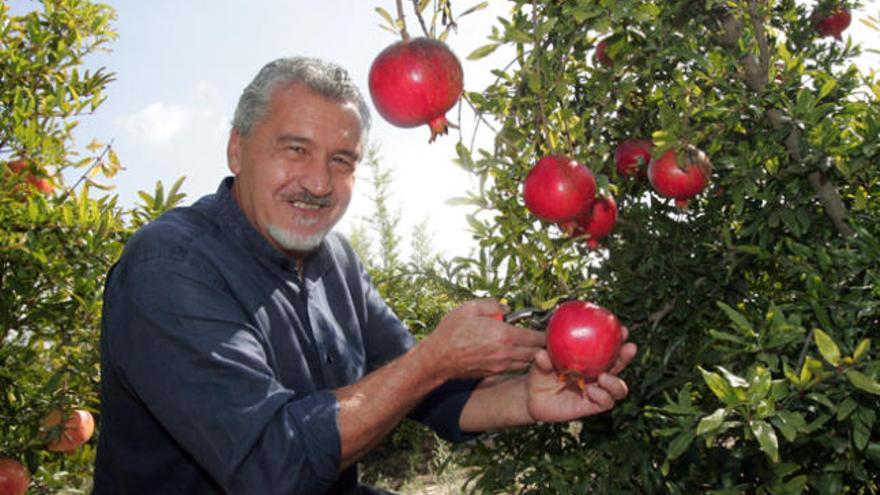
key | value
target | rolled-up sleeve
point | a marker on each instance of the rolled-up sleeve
(184, 347)
(386, 338)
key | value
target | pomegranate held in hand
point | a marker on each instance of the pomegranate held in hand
(14, 477)
(601, 221)
(632, 156)
(583, 340)
(834, 24)
(558, 189)
(416, 82)
(680, 182)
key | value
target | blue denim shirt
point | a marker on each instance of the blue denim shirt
(218, 360)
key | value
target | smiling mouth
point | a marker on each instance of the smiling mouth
(307, 205)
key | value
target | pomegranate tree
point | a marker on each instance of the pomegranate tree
(680, 176)
(583, 341)
(416, 81)
(632, 156)
(14, 477)
(834, 23)
(558, 189)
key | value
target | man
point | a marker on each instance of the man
(243, 348)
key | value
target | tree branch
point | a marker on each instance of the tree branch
(757, 71)
(825, 190)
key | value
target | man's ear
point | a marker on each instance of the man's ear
(233, 152)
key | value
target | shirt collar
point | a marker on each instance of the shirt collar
(233, 219)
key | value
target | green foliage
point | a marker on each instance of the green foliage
(420, 297)
(754, 310)
(57, 245)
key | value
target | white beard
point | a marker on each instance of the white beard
(291, 241)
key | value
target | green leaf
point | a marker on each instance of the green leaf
(464, 156)
(479, 6)
(680, 444)
(766, 436)
(712, 422)
(827, 347)
(719, 386)
(827, 87)
(738, 319)
(862, 424)
(861, 349)
(796, 485)
(846, 408)
(483, 51)
(863, 382)
(459, 201)
(385, 15)
(760, 386)
(517, 36)
(734, 380)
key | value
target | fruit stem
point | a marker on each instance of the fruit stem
(421, 19)
(401, 20)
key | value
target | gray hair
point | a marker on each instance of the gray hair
(325, 78)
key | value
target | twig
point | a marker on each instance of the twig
(415, 4)
(86, 173)
(401, 19)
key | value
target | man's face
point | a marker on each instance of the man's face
(294, 170)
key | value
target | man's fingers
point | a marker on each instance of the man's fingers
(526, 338)
(627, 354)
(542, 361)
(526, 354)
(615, 387)
(599, 396)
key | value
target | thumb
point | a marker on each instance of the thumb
(542, 361)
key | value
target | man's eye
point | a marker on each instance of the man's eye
(343, 161)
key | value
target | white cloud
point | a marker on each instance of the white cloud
(157, 123)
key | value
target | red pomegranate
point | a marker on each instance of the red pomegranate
(600, 54)
(601, 221)
(416, 82)
(680, 181)
(632, 156)
(14, 477)
(558, 189)
(583, 340)
(834, 23)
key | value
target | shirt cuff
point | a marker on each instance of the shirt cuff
(441, 410)
(317, 419)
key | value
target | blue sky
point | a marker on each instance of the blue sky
(180, 67)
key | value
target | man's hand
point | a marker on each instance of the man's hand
(471, 342)
(551, 400)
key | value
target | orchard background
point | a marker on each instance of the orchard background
(756, 310)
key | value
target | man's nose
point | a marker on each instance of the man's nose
(317, 178)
